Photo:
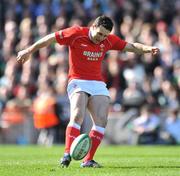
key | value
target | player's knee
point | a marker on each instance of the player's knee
(102, 121)
(77, 117)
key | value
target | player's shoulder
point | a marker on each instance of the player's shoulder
(80, 29)
(112, 37)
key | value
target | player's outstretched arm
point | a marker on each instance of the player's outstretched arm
(25, 54)
(141, 48)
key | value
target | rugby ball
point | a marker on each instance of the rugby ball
(80, 147)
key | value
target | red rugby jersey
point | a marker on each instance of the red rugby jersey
(85, 57)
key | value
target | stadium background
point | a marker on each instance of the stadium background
(132, 79)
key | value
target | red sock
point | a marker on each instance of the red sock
(71, 134)
(96, 138)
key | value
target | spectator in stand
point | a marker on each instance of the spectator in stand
(168, 98)
(147, 91)
(159, 76)
(175, 38)
(176, 74)
(26, 33)
(169, 52)
(62, 100)
(171, 128)
(114, 78)
(16, 108)
(46, 118)
(145, 126)
(9, 42)
(9, 79)
(133, 95)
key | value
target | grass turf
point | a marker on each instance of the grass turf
(117, 161)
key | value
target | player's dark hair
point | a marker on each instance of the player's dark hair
(104, 21)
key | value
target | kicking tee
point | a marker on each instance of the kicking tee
(85, 57)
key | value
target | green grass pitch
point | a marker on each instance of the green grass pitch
(117, 161)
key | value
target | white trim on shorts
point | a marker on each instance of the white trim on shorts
(91, 87)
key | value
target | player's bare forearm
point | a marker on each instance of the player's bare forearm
(45, 41)
(141, 48)
(25, 54)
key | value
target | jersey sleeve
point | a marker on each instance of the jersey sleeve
(117, 43)
(66, 36)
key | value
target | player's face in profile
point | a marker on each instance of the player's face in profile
(98, 34)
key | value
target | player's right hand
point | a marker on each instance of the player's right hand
(23, 56)
(155, 50)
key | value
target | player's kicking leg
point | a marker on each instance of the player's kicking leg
(78, 108)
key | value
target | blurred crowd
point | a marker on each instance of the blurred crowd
(38, 87)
